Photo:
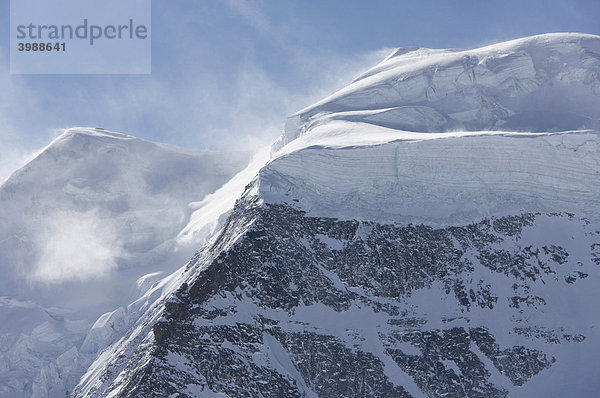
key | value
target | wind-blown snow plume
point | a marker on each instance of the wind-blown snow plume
(75, 246)
(89, 216)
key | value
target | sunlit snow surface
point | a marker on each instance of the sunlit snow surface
(445, 136)
(437, 178)
(540, 83)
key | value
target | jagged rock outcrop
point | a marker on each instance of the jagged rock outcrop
(304, 306)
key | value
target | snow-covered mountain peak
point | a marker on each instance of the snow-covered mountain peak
(138, 189)
(72, 138)
(89, 216)
(447, 136)
(410, 237)
(542, 83)
(95, 132)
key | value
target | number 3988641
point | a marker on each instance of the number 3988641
(42, 47)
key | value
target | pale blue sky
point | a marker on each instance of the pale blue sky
(226, 73)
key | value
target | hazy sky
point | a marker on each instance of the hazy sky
(226, 73)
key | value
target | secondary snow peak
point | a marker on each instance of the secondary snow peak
(543, 83)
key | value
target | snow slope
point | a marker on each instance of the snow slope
(209, 213)
(94, 213)
(542, 83)
(442, 136)
(437, 179)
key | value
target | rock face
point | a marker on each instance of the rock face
(365, 260)
(304, 306)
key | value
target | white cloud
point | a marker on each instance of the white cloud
(12, 159)
(250, 14)
(197, 111)
(242, 107)
(75, 247)
(245, 110)
(19, 105)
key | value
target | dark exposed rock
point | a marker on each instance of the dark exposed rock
(430, 373)
(334, 370)
(240, 326)
(518, 363)
(596, 253)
